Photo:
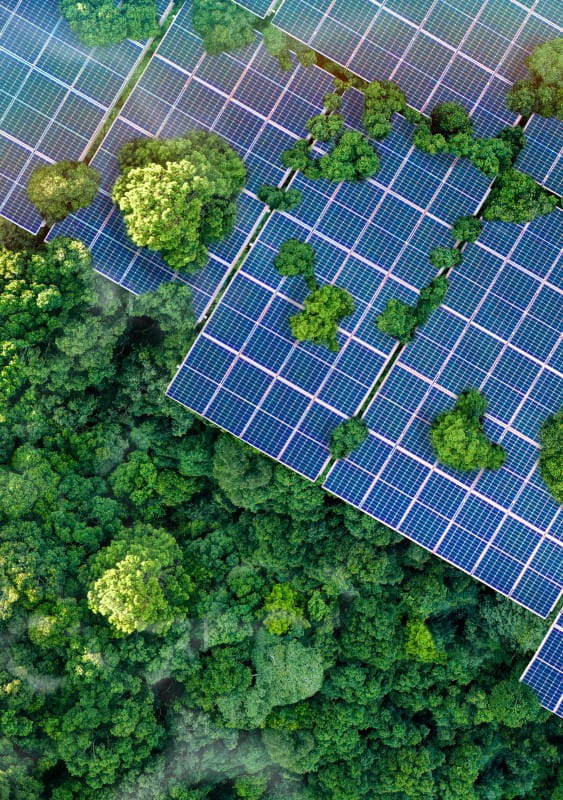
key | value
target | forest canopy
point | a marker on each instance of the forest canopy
(105, 22)
(178, 195)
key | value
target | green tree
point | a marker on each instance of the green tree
(397, 319)
(458, 438)
(222, 24)
(445, 257)
(297, 258)
(382, 99)
(325, 127)
(177, 195)
(352, 158)
(279, 199)
(277, 45)
(467, 229)
(95, 22)
(57, 190)
(318, 322)
(283, 609)
(516, 197)
(450, 118)
(332, 101)
(430, 298)
(141, 18)
(542, 93)
(347, 436)
(551, 455)
(14, 238)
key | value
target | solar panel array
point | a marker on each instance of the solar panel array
(246, 372)
(545, 672)
(55, 94)
(259, 7)
(543, 156)
(465, 50)
(500, 331)
(243, 96)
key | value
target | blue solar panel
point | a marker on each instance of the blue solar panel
(500, 331)
(370, 238)
(259, 7)
(543, 155)
(56, 93)
(545, 672)
(243, 96)
(435, 49)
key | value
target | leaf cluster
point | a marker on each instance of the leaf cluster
(324, 309)
(57, 190)
(382, 99)
(103, 22)
(542, 92)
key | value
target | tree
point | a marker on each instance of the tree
(347, 436)
(14, 238)
(332, 101)
(297, 258)
(277, 45)
(318, 322)
(103, 22)
(222, 24)
(516, 197)
(551, 455)
(141, 18)
(449, 119)
(397, 319)
(458, 438)
(352, 158)
(542, 93)
(325, 127)
(283, 609)
(177, 195)
(445, 257)
(57, 190)
(382, 99)
(139, 583)
(279, 199)
(467, 229)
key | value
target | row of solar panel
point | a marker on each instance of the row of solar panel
(545, 672)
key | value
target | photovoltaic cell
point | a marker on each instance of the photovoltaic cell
(436, 50)
(542, 158)
(246, 98)
(259, 7)
(55, 94)
(499, 331)
(545, 672)
(371, 239)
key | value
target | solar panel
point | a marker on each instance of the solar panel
(259, 7)
(243, 96)
(465, 50)
(56, 93)
(283, 397)
(544, 673)
(500, 331)
(543, 155)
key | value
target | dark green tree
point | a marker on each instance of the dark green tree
(57, 190)
(542, 93)
(318, 322)
(279, 199)
(325, 127)
(14, 238)
(467, 229)
(516, 197)
(551, 455)
(347, 436)
(458, 438)
(445, 257)
(223, 25)
(382, 99)
(397, 319)
(297, 258)
(352, 158)
(449, 119)
(104, 22)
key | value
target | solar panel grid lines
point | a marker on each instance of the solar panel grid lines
(259, 7)
(544, 673)
(480, 525)
(61, 95)
(542, 157)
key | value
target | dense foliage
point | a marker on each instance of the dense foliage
(279, 199)
(324, 309)
(57, 190)
(347, 436)
(551, 455)
(458, 438)
(103, 22)
(382, 99)
(222, 24)
(297, 258)
(266, 641)
(445, 257)
(400, 320)
(516, 197)
(542, 93)
(12, 237)
(177, 195)
(467, 229)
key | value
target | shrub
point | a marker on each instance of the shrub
(104, 22)
(430, 298)
(458, 438)
(467, 229)
(325, 127)
(56, 190)
(14, 238)
(397, 319)
(222, 24)
(318, 322)
(297, 258)
(516, 197)
(347, 436)
(450, 118)
(381, 100)
(445, 257)
(279, 199)
(332, 101)
(351, 159)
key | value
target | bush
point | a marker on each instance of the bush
(318, 322)
(297, 258)
(325, 127)
(516, 197)
(467, 229)
(397, 319)
(223, 25)
(449, 119)
(381, 100)
(458, 438)
(279, 199)
(177, 195)
(551, 455)
(57, 190)
(445, 257)
(347, 436)
(430, 298)
(104, 22)
(277, 45)
(351, 159)
(332, 101)
(542, 93)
